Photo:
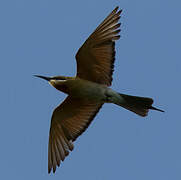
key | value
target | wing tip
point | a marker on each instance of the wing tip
(116, 9)
(49, 170)
(54, 169)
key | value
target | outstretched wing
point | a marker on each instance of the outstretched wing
(95, 59)
(69, 120)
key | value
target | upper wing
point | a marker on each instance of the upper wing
(69, 120)
(95, 59)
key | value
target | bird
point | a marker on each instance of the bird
(89, 90)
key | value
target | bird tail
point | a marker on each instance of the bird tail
(138, 105)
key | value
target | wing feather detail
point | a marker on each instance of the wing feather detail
(69, 120)
(95, 58)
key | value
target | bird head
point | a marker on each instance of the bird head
(54, 81)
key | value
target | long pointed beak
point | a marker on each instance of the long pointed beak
(43, 77)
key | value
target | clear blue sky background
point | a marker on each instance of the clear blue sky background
(42, 37)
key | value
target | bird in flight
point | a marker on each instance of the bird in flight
(88, 90)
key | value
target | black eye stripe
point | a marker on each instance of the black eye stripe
(59, 78)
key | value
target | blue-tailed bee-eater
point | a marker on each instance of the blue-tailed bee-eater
(88, 90)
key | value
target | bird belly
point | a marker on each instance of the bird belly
(87, 90)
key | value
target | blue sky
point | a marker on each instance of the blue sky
(42, 37)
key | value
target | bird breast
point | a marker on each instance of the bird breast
(85, 89)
